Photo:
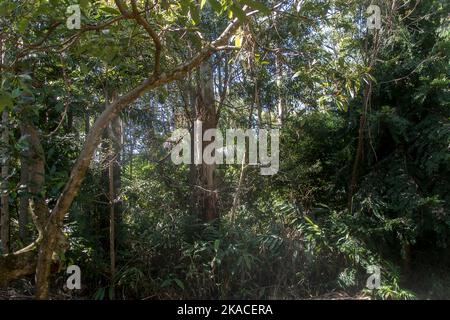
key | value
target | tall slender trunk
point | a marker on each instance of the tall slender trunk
(151, 129)
(206, 112)
(24, 199)
(112, 224)
(4, 184)
(360, 146)
(115, 137)
(87, 122)
(279, 84)
(191, 96)
(258, 105)
(130, 154)
(4, 198)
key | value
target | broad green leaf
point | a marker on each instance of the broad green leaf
(23, 23)
(215, 5)
(195, 13)
(110, 10)
(84, 3)
(216, 244)
(238, 12)
(5, 100)
(15, 93)
(25, 77)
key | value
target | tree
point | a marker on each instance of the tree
(51, 221)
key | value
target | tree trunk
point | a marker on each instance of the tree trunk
(112, 224)
(17, 264)
(115, 138)
(35, 159)
(24, 199)
(4, 184)
(87, 122)
(206, 112)
(360, 147)
(279, 84)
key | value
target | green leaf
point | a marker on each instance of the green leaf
(5, 100)
(238, 12)
(202, 4)
(296, 74)
(216, 6)
(15, 93)
(6, 8)
(216, 244)
(111, 291)
(179, 283)
(22, 25)
(238, 40)
(166, 283)
(110, 10)
(25, 77)
(195, 13)
(84, 3)
(185, 6)
(257, 6)
(100, 294)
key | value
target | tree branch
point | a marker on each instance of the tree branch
(158, 47)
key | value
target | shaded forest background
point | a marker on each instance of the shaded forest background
(87, 178)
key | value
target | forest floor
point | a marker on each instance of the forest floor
(23, 290)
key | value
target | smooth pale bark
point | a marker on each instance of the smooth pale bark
(279, 84)
(206, 112)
